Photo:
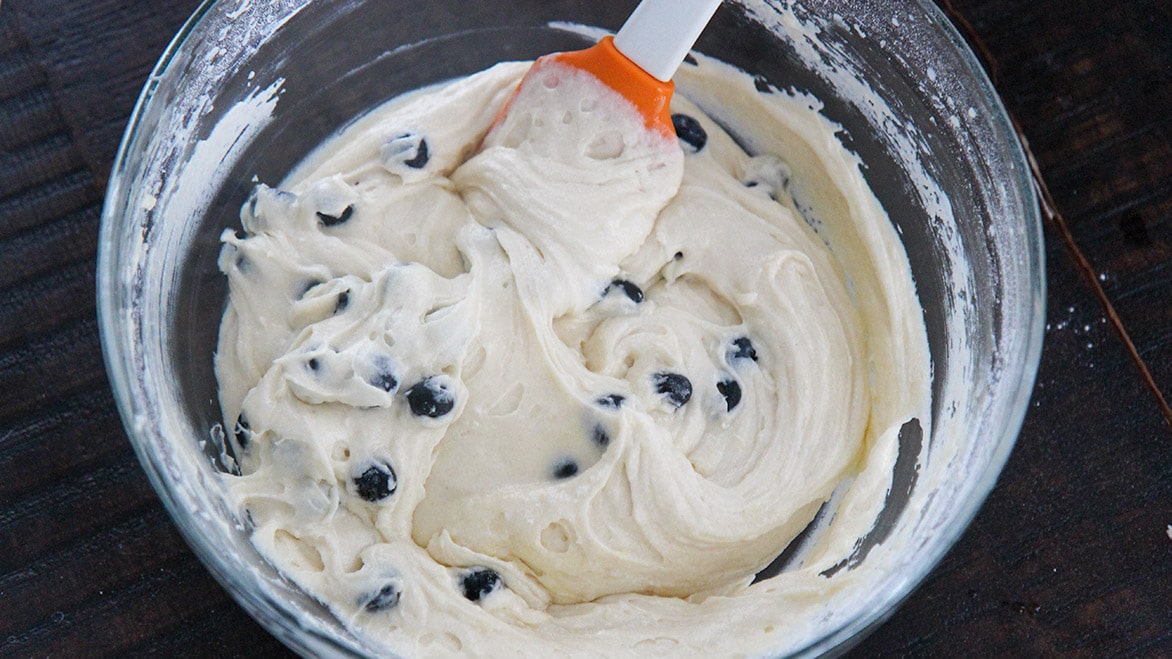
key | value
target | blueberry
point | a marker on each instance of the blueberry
(479, 582)
(241, 431)
(742, 348)
(731, 392)
(334, 220)
(630, 290)
(600, 437)
(430, 398)
(377, 482)
(407, 149)
(689, 131)
(613, 401)
(343, 301)
(762, 85)
(421, 156)
(565, 468)
(675, 387)
(387, 597)
(384, 378)
(308, 286)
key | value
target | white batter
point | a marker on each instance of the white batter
(565, 387)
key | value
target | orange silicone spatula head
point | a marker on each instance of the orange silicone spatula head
(650, 96)
(640, 60)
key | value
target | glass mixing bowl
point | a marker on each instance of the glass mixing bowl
(247, 89)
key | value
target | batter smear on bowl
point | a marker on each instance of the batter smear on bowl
(562, 384)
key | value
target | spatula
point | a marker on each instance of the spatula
(641, 59)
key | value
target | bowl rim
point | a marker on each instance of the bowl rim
(1022, 368)
(272, 614)
(276, 616)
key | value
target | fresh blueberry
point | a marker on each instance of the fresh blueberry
(407, 149)
(377, 482)
(675, 387)
(600, 437)
(421, 156)
(308, 286)
(613, 401)
(241, 431)
(742, 348)
(565, 468)
(731, 391)
(387, 597)
(334, 220)
(343, 301)
(689, 131)
(479, 582)
(431, 398)
(384, 376)
(630, 290)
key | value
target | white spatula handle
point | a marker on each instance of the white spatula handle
(659, 33)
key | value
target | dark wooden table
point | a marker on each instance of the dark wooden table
(1070, 555)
